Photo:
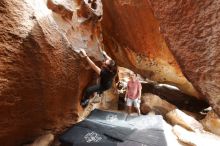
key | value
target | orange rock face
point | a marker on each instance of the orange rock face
(41, 74)
(131, 34)
(191, 30)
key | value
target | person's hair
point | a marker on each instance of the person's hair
(131, 74)
(112, 66)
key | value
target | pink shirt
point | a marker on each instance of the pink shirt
(133, 89)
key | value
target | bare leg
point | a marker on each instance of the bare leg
(138, 111)
(129, 110)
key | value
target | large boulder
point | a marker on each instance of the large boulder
(175, 96)
(212, 123)
(177, 117)
(44, 140)
(171, 138)
(151, 102)
(202, 138)
(131, 35)
(191, 30)
(41, 74)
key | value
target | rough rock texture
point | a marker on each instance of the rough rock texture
(177, 117)
(196, 138)
(174, 96)
(171, 138)
(191, 30)
(131, 35)
(41, 75)
(44, 140)
(151, 102)
(211, 123)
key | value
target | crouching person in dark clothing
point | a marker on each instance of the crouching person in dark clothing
(107, 73)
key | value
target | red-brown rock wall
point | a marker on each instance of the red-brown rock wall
(191, 29)
(131, 35)
(41, 75)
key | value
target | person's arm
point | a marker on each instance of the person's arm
(126, 94)
(106, 56)
(91, 63)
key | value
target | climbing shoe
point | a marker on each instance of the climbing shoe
(84, 102)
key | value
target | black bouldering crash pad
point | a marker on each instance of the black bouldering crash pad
(118, 132)
(84, 136)
(105, 128)
(146, 122)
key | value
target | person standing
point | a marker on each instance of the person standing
(133, 93)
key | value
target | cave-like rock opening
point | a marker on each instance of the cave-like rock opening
(169, 44)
